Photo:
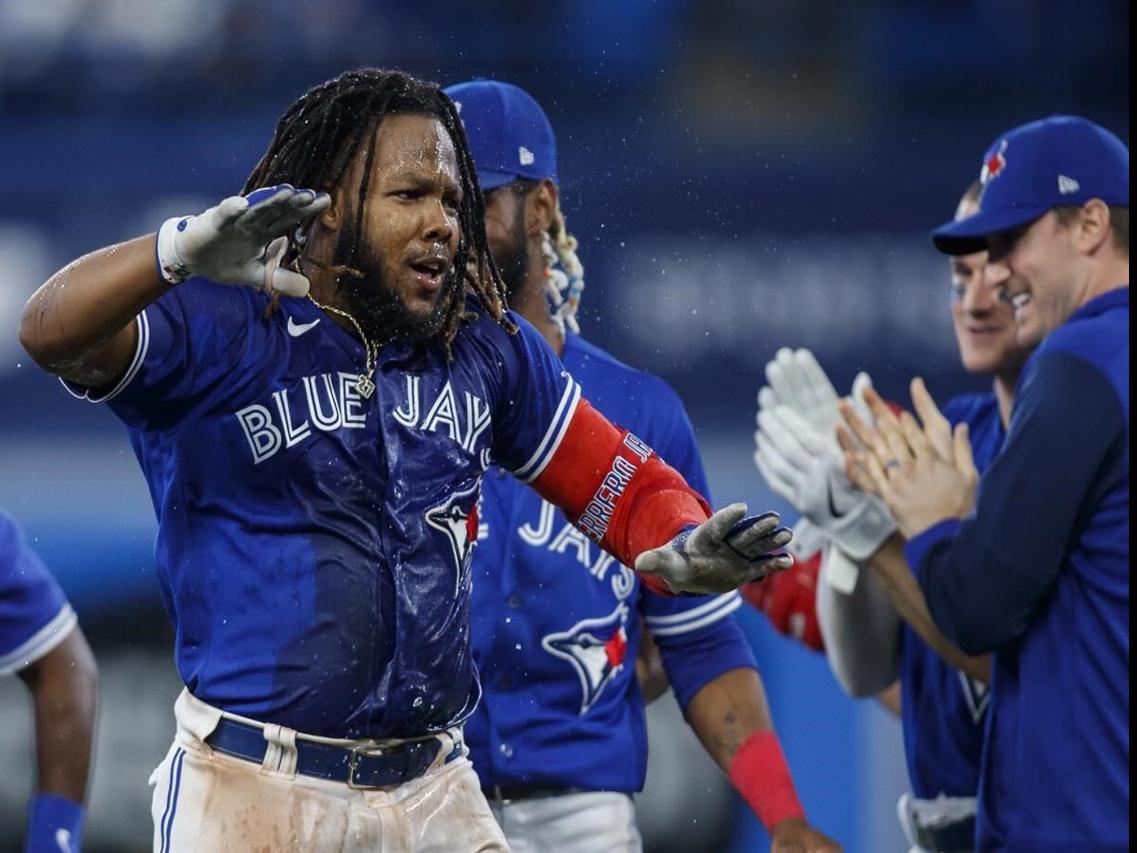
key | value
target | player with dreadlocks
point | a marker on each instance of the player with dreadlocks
(543, 744)
(315, 466)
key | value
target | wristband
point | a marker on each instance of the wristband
(55, 824)
(170, 264)
(759, 773)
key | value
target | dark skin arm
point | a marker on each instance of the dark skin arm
(80, 324)
(890, 568)
(724, 714)
(650, 674)
(64, 689)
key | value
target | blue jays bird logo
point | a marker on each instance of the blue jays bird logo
(596, 648)
(457, 519)
(993, 164)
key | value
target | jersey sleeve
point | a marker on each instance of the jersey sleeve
(189, 341)
(34, 614)
(985, 576)
(537, 401)
(697, 644)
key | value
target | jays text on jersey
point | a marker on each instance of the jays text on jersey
(943, 709)
(314, 545)
(1039, 574)
(557, 620)
(34, 615)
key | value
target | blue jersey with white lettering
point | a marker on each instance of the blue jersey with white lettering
(313, 545)
(942, 709)
(557, 622)
(34, 614)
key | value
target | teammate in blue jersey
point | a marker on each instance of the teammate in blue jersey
(559, 740)
(941, 694)
(1034, 566)
(40, 641)
(315, 465)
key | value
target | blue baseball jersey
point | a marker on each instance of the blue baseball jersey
(313, 545)
(557, 622)
(1039, 574)
(943, 710)
(34, 614)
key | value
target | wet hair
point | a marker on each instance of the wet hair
(321, 134)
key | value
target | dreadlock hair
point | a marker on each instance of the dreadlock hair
(564, 273)
(320, 135)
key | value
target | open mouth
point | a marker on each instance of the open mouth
(430, 271)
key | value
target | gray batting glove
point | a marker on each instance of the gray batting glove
(240, 240)
(721, 554)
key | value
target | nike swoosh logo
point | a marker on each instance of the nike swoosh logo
(297, 330)
(832, 507)
(63, 839)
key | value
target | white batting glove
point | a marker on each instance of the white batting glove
(798, 381)
(808, 469)
(240, 240)
(724, 552)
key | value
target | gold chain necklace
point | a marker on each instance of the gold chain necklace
(363, 382)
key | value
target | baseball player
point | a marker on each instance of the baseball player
(1032, 564)
(941, 703)
(40, 641)
(315, 464)
(559, 740)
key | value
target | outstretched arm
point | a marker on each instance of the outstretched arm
(731, 717)
(616, 490)
(80, 324)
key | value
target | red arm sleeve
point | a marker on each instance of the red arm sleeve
(615, 489)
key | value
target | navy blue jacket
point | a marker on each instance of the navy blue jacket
(1039, 575)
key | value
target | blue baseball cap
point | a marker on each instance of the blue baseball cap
(1054, 162)
(509, 134)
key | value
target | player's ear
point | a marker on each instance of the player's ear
(1093, 225)
(540, 208)
(333, 215)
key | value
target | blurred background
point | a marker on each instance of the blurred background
(742, 175)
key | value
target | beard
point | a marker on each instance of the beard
(513, 259)
(375, 303)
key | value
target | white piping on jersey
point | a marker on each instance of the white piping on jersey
(532, 469)
(692, 620)
(135, 365)
(41, 642)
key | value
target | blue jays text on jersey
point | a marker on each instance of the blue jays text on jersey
(34, 615)
(1039, 574)
(557, 621)
(313, 546)
(943, 709)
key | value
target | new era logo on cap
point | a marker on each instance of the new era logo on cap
(1067, 185)
(509, 134)
(1033, 165)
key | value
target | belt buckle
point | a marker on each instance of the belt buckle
(364, 749)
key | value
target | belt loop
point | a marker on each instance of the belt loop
(280, 753)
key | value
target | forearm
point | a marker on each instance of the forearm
(727, 711)
(616, 490)
(80, 323)
(65, 694)
(861, 630)
(890, 569)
